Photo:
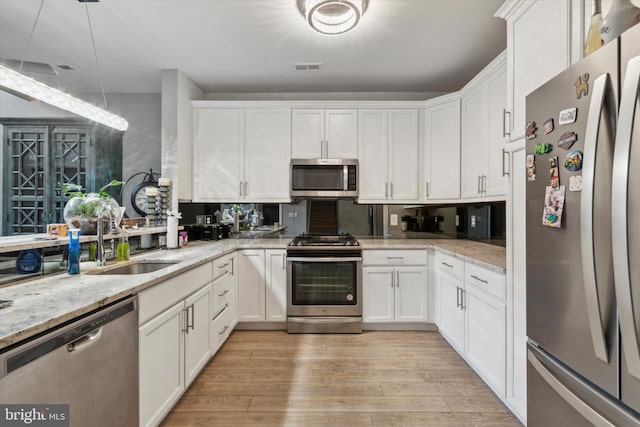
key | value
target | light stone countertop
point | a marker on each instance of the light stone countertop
(44, 303)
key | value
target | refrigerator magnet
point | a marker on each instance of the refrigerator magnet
(575, 183)
(531, 130)
(554, 175)
(553, 207)
(548, 126)
(531, 167)
(542, 148)
(567, 139)
(573, 161)
(582, 85)
(568, 116)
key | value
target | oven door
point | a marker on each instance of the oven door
(324, 286)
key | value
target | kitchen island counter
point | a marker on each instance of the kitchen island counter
(45, 303)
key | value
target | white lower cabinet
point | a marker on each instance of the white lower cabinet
(262, 280)
(397, 291)
(173, 339)
(473, 317)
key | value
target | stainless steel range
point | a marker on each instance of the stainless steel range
(324, 284)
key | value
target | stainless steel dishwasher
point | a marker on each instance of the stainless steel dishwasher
(91, 364)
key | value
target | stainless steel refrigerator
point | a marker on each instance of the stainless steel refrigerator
(583, 242)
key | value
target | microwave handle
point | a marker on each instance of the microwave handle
(345, 178)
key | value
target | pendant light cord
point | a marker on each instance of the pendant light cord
(33, 30)
(95, 53)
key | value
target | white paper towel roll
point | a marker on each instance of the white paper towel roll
(172, 232)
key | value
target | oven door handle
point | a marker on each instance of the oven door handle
(324, 259)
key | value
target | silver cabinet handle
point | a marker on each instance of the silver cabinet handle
(186, 320)
(484, 184)
(232, 266)
(620, 213)
(587, 225)
(386, 190)
(393, 279)
(478, 184)
(446, 265)
(240, 188)
(398, 278)
(505, 153)
(391, 193)
(226, 291)
(463, 306)
(220, 311)
(223, 330)
(284, 262)
(505, 123)
(581, 407)
(458, 296)
(426, 189)
(479, 279)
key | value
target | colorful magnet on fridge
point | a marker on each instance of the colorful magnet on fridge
(575, 183)
(582, 85)
(531, 167)
(553, 207)
(542, 148)
(531, 130)
(573, 161)
(548, 126)
(531, 159)
(554, 174)
(568, 116)
(567, 139)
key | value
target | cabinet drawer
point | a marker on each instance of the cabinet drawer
(450, 265)
(491, 282)
(221, 327)
(395, 257)
(223, 293)
(163, 295)
(223, 265)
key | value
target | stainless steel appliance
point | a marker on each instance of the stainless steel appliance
(583, 279)
(90, 364)
(324, 178)
(324, 284)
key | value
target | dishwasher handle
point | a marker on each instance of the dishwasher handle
(85, 341)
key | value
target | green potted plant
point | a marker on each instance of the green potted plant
(81, 211)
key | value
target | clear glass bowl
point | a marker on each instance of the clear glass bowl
(81, 213)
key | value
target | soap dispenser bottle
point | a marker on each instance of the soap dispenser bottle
(73, 260)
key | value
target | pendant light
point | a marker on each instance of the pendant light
(22, 85)
(332, 17)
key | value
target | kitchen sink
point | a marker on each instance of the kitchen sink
(139, 267)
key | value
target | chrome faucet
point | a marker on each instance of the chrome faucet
(100, 256)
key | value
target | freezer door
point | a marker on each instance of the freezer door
(571, 310)
(557, 397)
(626, 217)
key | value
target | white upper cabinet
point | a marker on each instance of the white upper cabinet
(242, 154)
(324, 133)
(483, 137)
(388, 155)
(539, 47)
(442, 151)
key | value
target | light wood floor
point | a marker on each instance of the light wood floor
(271, 378)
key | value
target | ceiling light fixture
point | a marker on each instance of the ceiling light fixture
(332, 17)
(20, 84)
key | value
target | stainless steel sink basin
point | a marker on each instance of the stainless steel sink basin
(139, 267)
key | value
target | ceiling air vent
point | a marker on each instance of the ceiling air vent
(307, 67)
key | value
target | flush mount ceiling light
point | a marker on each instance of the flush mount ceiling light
(332, 17)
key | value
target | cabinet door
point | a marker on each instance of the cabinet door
(486, 337)
(307, 133)
(537, 53)
(411, 294)
(372, 155)
(341, 134)
(442, 152)
(378, 294)
(403, 155)
(451, 316)
(196, 341)
(267, 147)
(251, 285)
(474, 142)
(276, 285)
(219, 154)
(161, 378)
(496, 181)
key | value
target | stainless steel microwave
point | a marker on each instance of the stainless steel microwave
(324, 178)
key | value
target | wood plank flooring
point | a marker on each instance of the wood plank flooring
(271, 378)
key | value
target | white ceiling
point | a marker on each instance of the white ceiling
(250, 45)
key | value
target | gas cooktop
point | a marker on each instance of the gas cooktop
(324, 240)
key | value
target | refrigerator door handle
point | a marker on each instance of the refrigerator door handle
(584, 409)
(600, 87)
(620, 210)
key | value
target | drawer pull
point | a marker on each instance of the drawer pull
(226, 291)
(220, 311)
(446, 265)
(223, 330)
(479, 279)
(223, 265)
(395, 257)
